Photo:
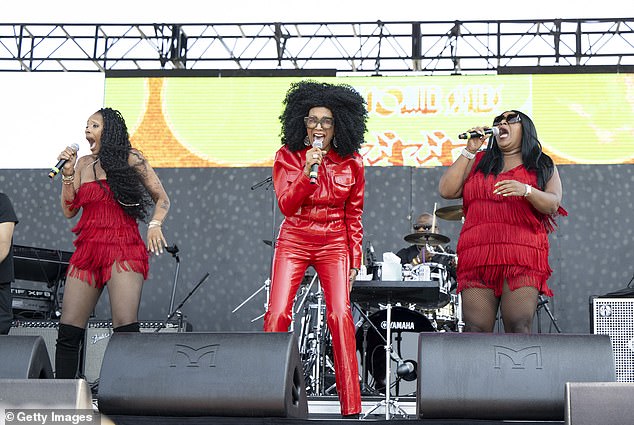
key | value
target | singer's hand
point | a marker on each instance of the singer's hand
(313, 156)
(155, 240)
(509, 188)
(474, 143)
(70, 155)
(353, 276)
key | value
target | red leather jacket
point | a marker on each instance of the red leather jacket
(331, 207)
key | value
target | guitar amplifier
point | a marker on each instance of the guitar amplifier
(98, 334)
(31, 299)
(615, 317)
(47, 329)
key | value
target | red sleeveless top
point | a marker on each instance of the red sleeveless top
(105, 235)
(507, 232)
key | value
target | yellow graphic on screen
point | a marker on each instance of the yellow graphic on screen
(413, 121)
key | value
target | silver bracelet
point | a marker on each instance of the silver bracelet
(467, 154)
(529, 188)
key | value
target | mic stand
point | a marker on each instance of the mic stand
(543, 302)
(177, 309)
(174, 251)
(262, 183)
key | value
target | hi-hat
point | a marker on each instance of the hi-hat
(452, 212)
(427, 238)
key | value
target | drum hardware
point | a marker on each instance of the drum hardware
(388, 404)
(265, 287)
(451, 213)
(426, 238)
(314, 338)
(267, 183)
(392, 293)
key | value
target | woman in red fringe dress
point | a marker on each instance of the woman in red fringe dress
(322, 225)
(511, 194)
(114, 187)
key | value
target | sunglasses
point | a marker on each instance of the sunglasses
(312, 122)
(511, 118)
(422, 226)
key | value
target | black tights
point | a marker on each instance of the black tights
(480, 306)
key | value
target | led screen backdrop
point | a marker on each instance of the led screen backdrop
(414, 121)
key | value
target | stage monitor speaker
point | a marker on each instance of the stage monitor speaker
(605, 403)
(47, 329)
(98, 334)
(615, 317)
(24, 357)
(45, 394)
(506, 376)
(250, 374)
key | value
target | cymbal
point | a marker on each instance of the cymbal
(452, 212)
(426, 238)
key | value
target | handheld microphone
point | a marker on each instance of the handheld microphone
(56, 169)
(318, 142)
(487, 132)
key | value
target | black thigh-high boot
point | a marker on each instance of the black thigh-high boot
(69, 341)
(130, 327)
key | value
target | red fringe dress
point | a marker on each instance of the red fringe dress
(503, 238)
(105, 235)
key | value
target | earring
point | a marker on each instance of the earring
(306, 140)
(334, 142)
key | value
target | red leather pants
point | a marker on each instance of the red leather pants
(330, 260)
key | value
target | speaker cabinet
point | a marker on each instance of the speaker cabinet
(47, 329)
(24, 357)
(506, 376)
(615, 317)
(98, 334)
(250, 374)
(605, 403)
(45, 394)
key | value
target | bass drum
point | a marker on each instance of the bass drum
(406, 325)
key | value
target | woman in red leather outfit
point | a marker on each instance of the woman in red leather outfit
(322, 225)
(511, 194)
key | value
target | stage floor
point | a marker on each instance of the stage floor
(325, 411)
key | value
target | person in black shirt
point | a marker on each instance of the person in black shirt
(418, 254)
(8, 220)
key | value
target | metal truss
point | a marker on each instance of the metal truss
(373, 48)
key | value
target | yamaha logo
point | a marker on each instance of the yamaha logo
(407, 326)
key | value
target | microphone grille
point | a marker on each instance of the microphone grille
(318, 142)
(495, 131)
(74, 146)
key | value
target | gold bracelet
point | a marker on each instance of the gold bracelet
(68, 178)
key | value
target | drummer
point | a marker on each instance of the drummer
(418, 254)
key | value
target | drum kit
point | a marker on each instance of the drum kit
(421, 302)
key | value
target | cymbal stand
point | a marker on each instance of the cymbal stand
(267, 283)
(387, 403)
